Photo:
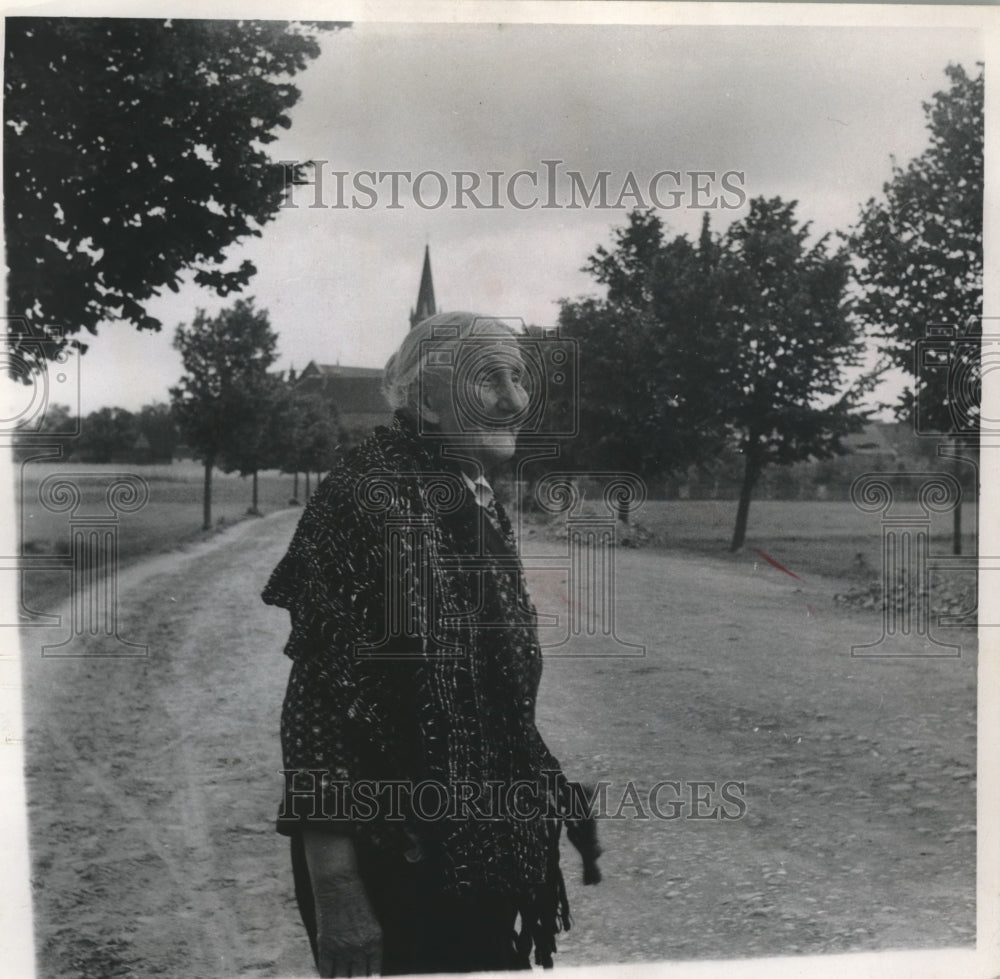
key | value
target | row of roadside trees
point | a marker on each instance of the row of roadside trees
(237, 414)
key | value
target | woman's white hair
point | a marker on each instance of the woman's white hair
(434, 341)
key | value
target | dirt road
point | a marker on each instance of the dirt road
(152, 781)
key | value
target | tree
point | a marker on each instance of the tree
(643, 361)
(157, 424)
(315, 435)
(134, 151)
(226, 359)
(741, 340)
(107, 435)
(261, 438)
(789, 337)
(920, 266)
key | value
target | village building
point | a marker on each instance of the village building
(356, 392)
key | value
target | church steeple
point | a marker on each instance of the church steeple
(425, 297)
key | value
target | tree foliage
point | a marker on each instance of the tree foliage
(920, 270)
(224, 391)
(639, 350)
(106, 435)
(920, 253)
(261, 439)
(112, 434)
(315, 434)
(156, 422)
(738, 340)
(134, 151)
(789, 338)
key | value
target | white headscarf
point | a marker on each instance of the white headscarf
(433, 342)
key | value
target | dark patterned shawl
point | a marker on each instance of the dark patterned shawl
(415, 657)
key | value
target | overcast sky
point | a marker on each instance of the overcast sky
(807, 113)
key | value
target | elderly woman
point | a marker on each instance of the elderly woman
(423, 806)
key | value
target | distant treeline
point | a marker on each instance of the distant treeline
(107, 435)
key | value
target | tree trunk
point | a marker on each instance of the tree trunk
(623, 511)
(956, 516)
(207, 495)
(253, 506)
(751, 471)
(295, 487)
(308, 491)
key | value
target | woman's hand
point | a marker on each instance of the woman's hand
(348, 939)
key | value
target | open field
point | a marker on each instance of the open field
(171, 518)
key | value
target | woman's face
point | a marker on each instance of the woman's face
(478, 404)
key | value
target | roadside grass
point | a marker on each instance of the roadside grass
(833, 539)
